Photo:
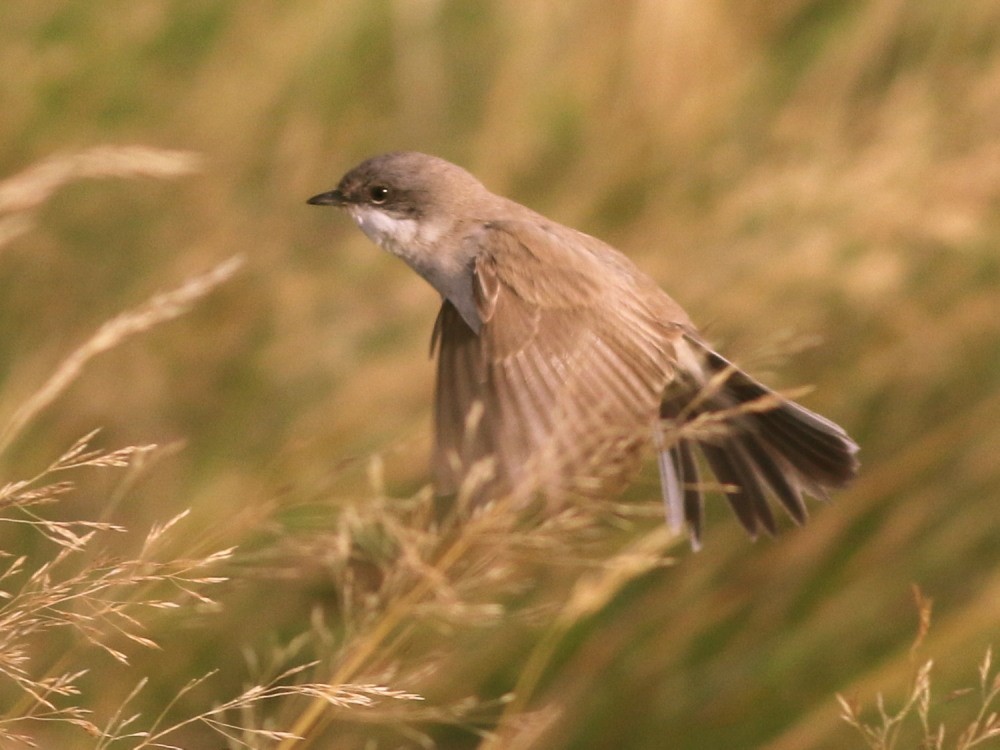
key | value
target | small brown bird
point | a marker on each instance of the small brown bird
(559, 361)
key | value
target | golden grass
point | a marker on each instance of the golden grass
(804, 171)
(889, 729)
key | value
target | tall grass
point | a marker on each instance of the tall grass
(916, 713)
(816, 182)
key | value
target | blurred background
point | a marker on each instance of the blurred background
(816, 181)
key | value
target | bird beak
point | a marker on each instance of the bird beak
(332, 198)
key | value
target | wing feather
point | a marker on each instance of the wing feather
(568, 367)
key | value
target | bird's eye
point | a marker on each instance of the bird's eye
(379, 194)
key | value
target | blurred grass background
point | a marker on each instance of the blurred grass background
(817, 182)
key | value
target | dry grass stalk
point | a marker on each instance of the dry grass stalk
(158, 309)
(241, 733)
(21, 194)
(80, 590)
(35, 185)
(459, 573)
(889, 729)
(26, 191)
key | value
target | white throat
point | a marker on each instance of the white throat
(388, 232)
(424, 246)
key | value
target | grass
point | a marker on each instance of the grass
(889, 729)
(818, 185)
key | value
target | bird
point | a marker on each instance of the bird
(561, 365)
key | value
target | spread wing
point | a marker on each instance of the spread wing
(562, 384)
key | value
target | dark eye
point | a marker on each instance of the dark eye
(378, 194)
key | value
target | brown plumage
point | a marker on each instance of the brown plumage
(559, 361)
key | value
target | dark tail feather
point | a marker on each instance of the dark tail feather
(765, 446)
(692, 490)
(820, 449)
(774, 473)
(744, 491)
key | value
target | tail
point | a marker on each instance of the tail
(755, 442)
